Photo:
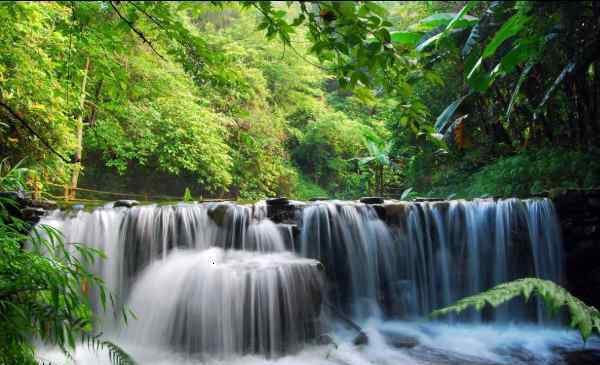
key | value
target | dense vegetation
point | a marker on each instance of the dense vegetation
(44, 286)
(256, 99)
(340, 99)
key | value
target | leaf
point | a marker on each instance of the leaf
(583, 317)
(477, 78)
(405, 193)
(346, 8)
(374, 8)
(406, 38)
(515, 92)
(519, 54)
(443, 120)
(568, 68)
(444, 19)
(429, 41)
(472, 40)
(454, 22)
(510, 28)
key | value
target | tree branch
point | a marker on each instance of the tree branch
(136, 31)
(16, 116)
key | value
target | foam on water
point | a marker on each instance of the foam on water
(221, 283)
(438, 344)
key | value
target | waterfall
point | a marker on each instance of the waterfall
(222, 278)
(433, 253)
(227, 302)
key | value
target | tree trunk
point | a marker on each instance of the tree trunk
(380, 180)
(79, 126)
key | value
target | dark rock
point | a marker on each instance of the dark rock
(16, 196)
(431, 355)
(126, 203)
(594, 202)
(582, 357)
(318, 198)
(380, 210)
(284, 213)
(33, 215)
(361, 339)
(395, 213)
(372, 200)
(325, 340)
(519, 353)
(217, 213)
(578, 211)
(426, 199)
(400, 340)
(278, 201)
(44, 204)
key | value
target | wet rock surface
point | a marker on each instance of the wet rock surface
(24, 208)
(126, 203)
(579, 215)
(281, 210)
(278, 201)
(400, 340)
(372, 200)
(217, 213)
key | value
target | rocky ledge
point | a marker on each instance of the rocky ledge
(24, 208)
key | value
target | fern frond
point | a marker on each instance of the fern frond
(116, 354)
(584, 318)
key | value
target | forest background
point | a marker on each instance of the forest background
(444, 99)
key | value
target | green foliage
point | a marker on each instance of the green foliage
(328, 147)
(521, 175)
(187, 195)
(306, 190)
(12, 178)
(584, 318)
(43, 289)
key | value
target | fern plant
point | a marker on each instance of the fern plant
(43, 289)
(584, 318)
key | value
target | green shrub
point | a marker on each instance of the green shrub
(520, 175)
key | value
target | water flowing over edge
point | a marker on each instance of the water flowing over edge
(426, 256)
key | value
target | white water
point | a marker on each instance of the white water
(218, 284)
(440, 344)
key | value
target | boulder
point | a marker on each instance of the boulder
(361, 339)
(400, 340)
(278, 201)
(33, 215)
(372, 200)
(217, 213)
(126, 203)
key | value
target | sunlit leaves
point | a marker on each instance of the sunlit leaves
(451, 20)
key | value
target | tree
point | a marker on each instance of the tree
(379, 158)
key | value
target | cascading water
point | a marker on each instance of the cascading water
(434, 254)
(227, 302)
(224, 281)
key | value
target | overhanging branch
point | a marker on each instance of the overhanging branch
(17, 117)
(136, 31)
